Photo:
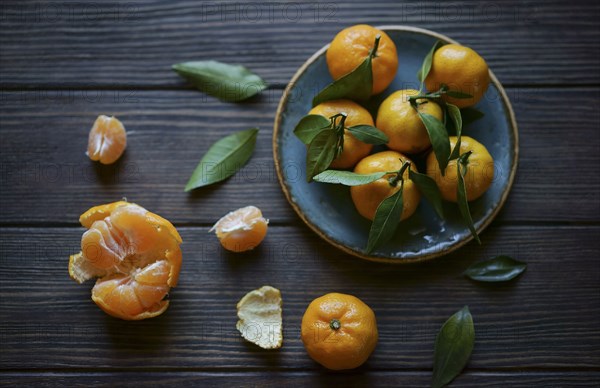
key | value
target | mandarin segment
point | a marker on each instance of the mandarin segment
(135, 255)
(241, 230)
(107, 140)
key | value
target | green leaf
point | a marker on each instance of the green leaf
(463, 204)
(321, 152)
(368, 134)
(453, 347)
(456, 118)
(356, 85)
(347, 178)
(498, 269)
(223, 159)
(386, 220)
(438, 135)
(470, 115)
(226, 82)
(457, 94)
(426, 66)
(429, 189)
(308, 127)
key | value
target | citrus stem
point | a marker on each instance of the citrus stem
(339, 130)
(464, 158)
(399, 174)
(373, 52)
(335, 324)
(430, 96)
(339, 125)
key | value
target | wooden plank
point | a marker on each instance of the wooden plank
(49, 322)
(360, 378)
(135, 43)
(47, 178)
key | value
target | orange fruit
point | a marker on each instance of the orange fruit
(352, 45)
(354, 149)
(241, 230)
(462, 70)
(107, 140)
(134, 254)
(367, 197)
(339, 331)
(479, 175)
(401, 123)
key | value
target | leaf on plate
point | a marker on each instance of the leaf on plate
(223, 159)
(368, 134)
(226, 82)
(438, 135)
(463, 204)
(308, 127)
(426, 66)
(470, 115)
(457, 94)
(453, 347)
(347, 178)
(356, 85)
(497, 269)
(386, 220)
(429, 189)
(456, 118)
(321, 152)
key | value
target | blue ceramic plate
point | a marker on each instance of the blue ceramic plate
(328, 209)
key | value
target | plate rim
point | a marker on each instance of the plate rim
(430, 256)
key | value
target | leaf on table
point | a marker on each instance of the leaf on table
(223, 159)
(368, 134)
(347, 178)
(227, 82)
(453, 346)
(497, 269)
(308, 127)
(386, 220)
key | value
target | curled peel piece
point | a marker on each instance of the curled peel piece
(259, 313)
(134, 254)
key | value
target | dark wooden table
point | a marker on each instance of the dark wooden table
(63, 63)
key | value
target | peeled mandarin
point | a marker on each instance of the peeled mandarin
(134, 254)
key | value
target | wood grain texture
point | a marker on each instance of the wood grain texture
(44, 137)
(135, 43)
(63, 63)
(545, 319)
(302, 379)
